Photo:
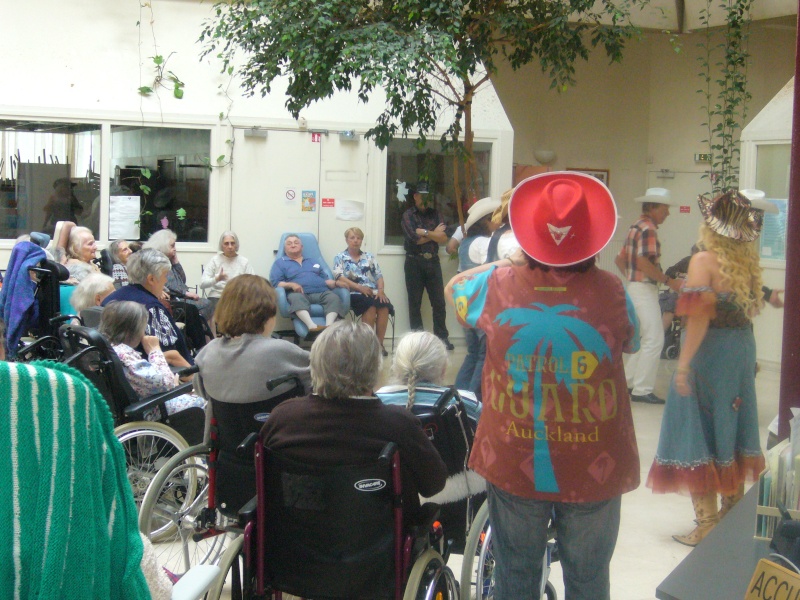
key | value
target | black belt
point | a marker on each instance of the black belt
(425, 255)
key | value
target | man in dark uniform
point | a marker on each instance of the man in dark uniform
(423, 231)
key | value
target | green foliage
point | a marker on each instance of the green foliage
(428, 56)
(165, 79)
(724, 76)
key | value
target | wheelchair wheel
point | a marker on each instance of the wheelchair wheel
(171, 490)
(671, 352)
(477, 567)
(231, 572)
(173, 513)
(148, 446)
(430, 579)
(550, 592)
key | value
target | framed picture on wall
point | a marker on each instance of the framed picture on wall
(601, 174)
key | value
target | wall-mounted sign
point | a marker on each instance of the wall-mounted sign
(328, 202)
(309, 200)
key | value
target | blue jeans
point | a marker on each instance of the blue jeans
(586, 533)
(469, 375)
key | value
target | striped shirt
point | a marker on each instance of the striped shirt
(642, 240)
(67, 505)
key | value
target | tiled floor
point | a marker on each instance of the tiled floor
(645, 552)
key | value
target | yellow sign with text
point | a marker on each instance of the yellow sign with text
(773, 582)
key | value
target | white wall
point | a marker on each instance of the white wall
(84, 61)
(641, 116)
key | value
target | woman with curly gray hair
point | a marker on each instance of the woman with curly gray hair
(164, 241)
(147, 272)
(343, 422)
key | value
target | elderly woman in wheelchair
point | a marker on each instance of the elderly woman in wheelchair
(124, 324)
(327, 520)
(243, 374)
(449, 417)
(147, 274)
(234, 372)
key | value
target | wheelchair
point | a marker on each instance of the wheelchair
(450, 421)
(41, 321)
(189, 511)
(334, 532)
(148, 445)
(477, 567)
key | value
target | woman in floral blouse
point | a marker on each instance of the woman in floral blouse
(359, 272)
(123, 325)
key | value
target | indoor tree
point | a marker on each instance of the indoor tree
(430, 57)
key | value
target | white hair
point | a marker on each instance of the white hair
(420, 357)
(86, 291)
(345, 361)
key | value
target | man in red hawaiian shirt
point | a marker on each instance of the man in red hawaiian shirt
(556, 433)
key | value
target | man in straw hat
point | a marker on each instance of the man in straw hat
(638, 261)
(709, 443)
(556, 432)
(472, 252)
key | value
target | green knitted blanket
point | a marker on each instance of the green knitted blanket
(65, 501)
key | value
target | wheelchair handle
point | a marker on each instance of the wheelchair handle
(273, 383)
(387, 453)
(58, 319)
(188, 371)
(447, 395)
(245, 449)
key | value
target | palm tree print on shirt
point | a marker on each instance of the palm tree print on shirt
(547, 331)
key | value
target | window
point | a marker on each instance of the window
(48, 173)
(164, 172)
(406, 162)
(772, 177)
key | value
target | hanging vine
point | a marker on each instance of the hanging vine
(724, 75)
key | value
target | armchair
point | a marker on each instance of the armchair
(310, 250)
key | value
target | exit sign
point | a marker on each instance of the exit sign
(702, 157)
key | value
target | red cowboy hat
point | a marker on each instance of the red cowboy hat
(562, 218)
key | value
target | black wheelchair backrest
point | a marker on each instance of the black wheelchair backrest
(330, 531)
(93, 356)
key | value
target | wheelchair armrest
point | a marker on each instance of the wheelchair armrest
(344, 296)
(79, 355)
(245, 449)
(135, 411)
(248, 512)
(283, 302)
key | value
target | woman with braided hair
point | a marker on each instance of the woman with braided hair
(709, 442)
(418, 371)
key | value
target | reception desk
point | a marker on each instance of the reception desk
(721, 566)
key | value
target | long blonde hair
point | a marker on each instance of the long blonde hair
(739, 267)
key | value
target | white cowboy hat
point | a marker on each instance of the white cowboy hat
(757, 201)
(658, 196)
(481, 208)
